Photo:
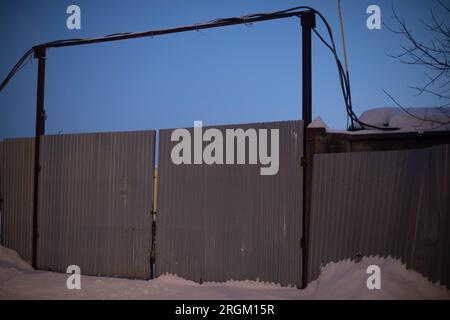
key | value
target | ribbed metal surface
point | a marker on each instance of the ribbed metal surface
(95, 203)
(393, 203)
(17, 168)
(1, 194)
(221, 222)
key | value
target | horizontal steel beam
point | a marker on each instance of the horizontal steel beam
(201, 26)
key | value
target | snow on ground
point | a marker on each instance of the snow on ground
(343, 280)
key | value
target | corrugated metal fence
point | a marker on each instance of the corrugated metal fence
(95, 201)
(383, 203)
(221, 222)
(17, 168)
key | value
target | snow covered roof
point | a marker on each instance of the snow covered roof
(408, 120)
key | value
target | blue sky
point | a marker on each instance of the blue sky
(236, 74)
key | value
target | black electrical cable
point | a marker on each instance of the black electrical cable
(16, 68)
(344, 78)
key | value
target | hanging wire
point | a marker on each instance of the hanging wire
(296, 11)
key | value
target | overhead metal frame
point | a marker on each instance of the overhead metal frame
(307, 23)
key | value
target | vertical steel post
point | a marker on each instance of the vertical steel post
(39, 53)
(308, 21)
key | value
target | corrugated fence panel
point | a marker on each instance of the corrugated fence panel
(95, 203)
(431, 254)
(17, 173)
(1, 193)
(393, 203)
(220, 222)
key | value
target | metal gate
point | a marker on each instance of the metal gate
(95, 201)
(220, 222)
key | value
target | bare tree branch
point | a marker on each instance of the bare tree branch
(432, 54)
(424, 119)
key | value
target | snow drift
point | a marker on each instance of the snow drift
(342, 280)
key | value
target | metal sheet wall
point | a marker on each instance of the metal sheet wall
(17, 170)
(221, 222)
(95, 203)
(1, 194)
(393, 203)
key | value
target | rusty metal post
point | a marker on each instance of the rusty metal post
(39, 53)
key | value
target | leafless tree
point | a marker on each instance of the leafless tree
(432, 54)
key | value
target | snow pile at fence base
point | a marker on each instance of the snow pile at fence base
(10, 258)
(11, 264)
(343, 280)
(347, 280)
